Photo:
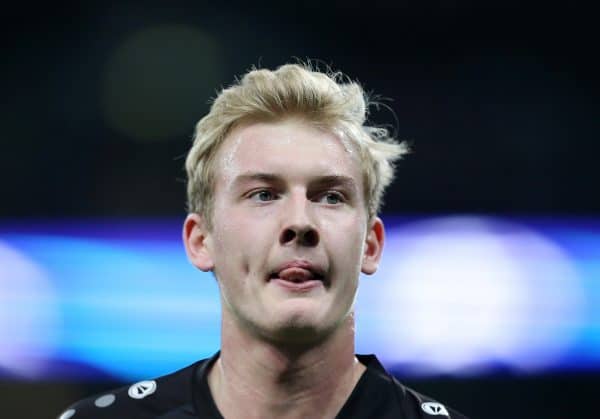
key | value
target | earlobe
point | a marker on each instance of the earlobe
(195, 235)
(373, 247)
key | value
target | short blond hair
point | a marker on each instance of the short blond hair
(326, 99)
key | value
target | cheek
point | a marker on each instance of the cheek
(228, 242)
(242, 240)
(345, 237)
(230, 226)
(348, 224)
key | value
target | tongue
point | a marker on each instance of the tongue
(296, 275)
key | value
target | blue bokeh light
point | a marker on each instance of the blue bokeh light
(457, 295)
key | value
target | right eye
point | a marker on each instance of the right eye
(262, 195)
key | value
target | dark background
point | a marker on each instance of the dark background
(499, 101)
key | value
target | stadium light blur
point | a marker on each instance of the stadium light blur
(454, 295)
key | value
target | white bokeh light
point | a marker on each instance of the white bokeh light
(462, 293)
(29, 318)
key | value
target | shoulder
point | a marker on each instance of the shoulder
(428, 407)
(144, 399)
(411, 403)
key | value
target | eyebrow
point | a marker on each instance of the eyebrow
(257, 176)
(318, 182)
(335, 180)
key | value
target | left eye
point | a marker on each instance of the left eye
(331, 198)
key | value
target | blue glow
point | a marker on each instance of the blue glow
(453, 295)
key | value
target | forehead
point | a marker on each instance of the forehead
(289, 148)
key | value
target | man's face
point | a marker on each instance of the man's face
(290, 233)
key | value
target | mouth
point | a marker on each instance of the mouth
(298, 273)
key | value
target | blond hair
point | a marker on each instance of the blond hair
(326, 99)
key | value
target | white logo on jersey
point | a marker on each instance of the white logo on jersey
(435, 409)
(142, 389)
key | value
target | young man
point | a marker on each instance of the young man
(285, 181)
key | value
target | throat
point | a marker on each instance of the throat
(297, 391)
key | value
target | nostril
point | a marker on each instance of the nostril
(287, 236)
(310, 238)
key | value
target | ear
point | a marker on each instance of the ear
(195, 235)
(373, 247)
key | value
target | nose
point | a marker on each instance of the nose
(302, 235)
(298, 227)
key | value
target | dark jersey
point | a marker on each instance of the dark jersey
(185, 395)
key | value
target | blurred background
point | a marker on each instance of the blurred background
(488, 297)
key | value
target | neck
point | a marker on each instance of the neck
(254, 378)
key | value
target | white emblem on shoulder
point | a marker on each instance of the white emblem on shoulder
(142, 389)
(435, 409)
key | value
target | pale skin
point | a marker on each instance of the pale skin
(290, 235)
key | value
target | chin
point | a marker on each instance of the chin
(300, 328)
(297, 335)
